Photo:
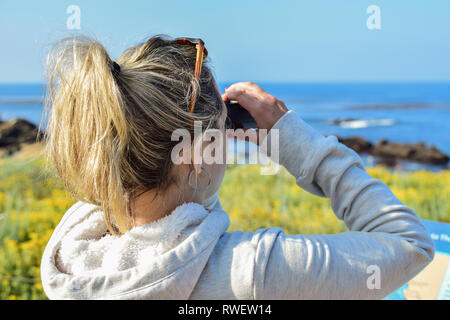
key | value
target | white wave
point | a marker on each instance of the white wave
(362, 123)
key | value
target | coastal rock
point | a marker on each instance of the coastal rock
(341, 120)
(388, 153)
(358, 144)
(17, 131)
(390, 162)
(418, 152)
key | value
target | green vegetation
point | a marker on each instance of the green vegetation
(32, 203)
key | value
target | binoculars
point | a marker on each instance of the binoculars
(238, 117)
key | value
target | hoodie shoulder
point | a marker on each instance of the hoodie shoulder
(234, 268)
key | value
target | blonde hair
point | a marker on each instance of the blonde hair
(108, 134)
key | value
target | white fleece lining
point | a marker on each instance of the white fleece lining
(87, 250)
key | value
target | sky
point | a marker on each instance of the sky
(261, 41)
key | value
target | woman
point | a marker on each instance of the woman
(146, 228)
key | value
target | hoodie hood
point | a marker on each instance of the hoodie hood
(159, 260)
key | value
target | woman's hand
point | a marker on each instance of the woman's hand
(264, 108)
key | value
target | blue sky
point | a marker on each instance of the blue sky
(262, 41)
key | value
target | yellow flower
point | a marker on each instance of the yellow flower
(38, 285)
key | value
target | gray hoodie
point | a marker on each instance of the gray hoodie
(189, 255)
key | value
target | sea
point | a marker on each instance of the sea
(398, 112)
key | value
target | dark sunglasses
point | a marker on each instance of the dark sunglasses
(201, 53)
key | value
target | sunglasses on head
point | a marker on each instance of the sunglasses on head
(238, 117)
(201, 53)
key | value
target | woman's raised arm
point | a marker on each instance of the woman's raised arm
(387, 245)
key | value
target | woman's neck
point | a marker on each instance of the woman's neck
(151, 206)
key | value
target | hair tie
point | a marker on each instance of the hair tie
(116, 67)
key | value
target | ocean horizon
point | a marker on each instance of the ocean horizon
(403, 112)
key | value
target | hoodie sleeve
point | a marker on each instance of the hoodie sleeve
(386, 246)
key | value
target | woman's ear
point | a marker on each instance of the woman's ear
(197, 154)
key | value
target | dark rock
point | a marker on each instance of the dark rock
(17, 131)
(356, 143)
(387, 161)
(418, 152)
(339, 121)
(11, 149)
(388, 153)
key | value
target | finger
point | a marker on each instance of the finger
(243, 96)
(250, 84)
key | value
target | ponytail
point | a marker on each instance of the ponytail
(86, 133)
